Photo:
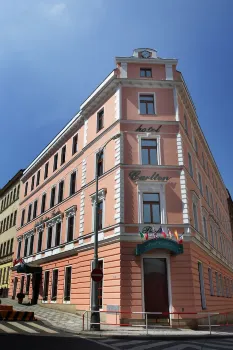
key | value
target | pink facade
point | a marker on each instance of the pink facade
(159, 175)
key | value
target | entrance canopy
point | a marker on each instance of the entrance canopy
(159, 243)
(25, 268)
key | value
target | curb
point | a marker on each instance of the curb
(156, 336)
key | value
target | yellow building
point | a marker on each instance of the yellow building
(9, 203)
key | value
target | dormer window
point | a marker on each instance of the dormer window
(145, 73)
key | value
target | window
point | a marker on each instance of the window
(14, 195)
(33, 183)
(100, 163)
(60, 191)
(11, 245)
(43, 201)
(46, 170)
(190, 164)
(7, 247)
(15, 217)
(221, 285)
(211, 281)
(22, 284)
(145, 73)
(195, 215)
(100, 120)
(58, 234)
(151, 208)
(205, 228)
(52, 198)
(70, 233)
(18, 188)
(28, 284)
(203, 160)
(31, 245)
(63, 155)
(25, 246)
(46, 286)
(11, 197)
(207, 195)
(100, 285)
(217, 284)
(202, 286)
(147, 104)
(7, 222)
(38, 178)
(73, 183)
(75, 144)
(40, 237)
(211, 199)
(29, 212)
(49, 237)
(11, 220)
(100, 215)
(200, 183)
(185, 124)
(195, 145)
(54, 285)
(55, 160)
(35, 209)
(67, 288)
(19, 249)
(149, 151)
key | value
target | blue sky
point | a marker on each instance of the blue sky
(53, 53)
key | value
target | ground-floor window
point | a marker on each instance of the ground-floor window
(54, 285)
(22, 284)
(202, 286)
(28, 284)
(211, 281)
(46, 286)
(100, 285)
(67, 288)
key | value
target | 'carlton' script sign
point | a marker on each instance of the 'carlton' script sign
(150, 129)
(136, 176)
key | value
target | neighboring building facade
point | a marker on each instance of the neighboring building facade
(159, 173)
(230, 207)
(9, 204)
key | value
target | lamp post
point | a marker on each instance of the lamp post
(95, 315)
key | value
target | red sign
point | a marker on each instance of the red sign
(97, 275)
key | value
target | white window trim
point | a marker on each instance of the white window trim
(149, 136)
(158, 187)
(101, 197)
(147, 93)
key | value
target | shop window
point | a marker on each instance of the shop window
(46, 286)
(67, 289)
(54, 285)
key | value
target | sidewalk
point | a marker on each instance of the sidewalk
(73, 324)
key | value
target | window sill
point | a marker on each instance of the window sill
(66, 301)
(53, 301)
(44, 301)
(154, 114)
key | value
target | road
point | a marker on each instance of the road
(38, 335)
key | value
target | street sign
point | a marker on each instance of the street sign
(97, 275)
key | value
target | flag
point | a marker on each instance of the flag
(141, 235)
(146, 236)
(161, 231)
(169, 233)
(181, 239)
(155, 235)
(176, 235)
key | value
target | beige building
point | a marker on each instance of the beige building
(9, 203)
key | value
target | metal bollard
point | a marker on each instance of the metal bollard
(209, 323)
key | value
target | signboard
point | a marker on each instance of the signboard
(97, 275)
(135, 175)
(150, 129)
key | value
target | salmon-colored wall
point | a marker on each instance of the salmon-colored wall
(158, 71)
(164, 104)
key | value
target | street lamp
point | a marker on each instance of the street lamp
(95, 315)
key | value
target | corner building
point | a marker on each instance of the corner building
(159, 173)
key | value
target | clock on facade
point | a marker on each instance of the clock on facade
(145, 54)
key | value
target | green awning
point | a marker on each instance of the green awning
(160, 243)
(25, 268)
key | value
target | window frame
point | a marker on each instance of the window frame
(46, 170)
(149, 137)
(75, 144)
(210, 275)
(55, 162)
(33, 183)
(101, 113)
(154, 103)
(63, 155)
(103, 163)
(145, 70)
(54, 298)
(202, 285)
(43, 203)
(151, 210)
(60, 198)
(71, 193)
(38, 178)
(190, 165)
(53, 189)
(45, 297)
(67, 298)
